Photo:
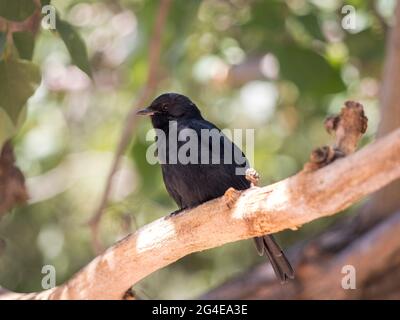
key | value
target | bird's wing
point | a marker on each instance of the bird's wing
(228, 168)
(171, 189)
(238, 157)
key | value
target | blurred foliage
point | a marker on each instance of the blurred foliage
(24, 42)
(75, 45)
(17, 10)
(93, 66)
(17, 76)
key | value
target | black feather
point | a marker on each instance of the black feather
(192, 184)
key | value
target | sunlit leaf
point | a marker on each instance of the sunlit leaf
(18, 81)
(16, 10)
(25, 43)
(75, 45)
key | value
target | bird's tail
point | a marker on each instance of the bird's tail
(281, 265)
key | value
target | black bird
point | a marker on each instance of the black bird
(191, 184)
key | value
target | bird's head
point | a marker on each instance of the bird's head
(170, 107)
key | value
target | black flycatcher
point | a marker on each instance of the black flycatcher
(191, 183)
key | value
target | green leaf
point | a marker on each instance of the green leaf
(18, 81)
(16, 10)
(7, 128)
(3, 41)
(311, 24)
(25, 43)
(44, 2)
(148, 174)
(366, 45)
(75, 45)
(310, 71)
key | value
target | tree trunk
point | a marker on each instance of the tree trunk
(386, 201)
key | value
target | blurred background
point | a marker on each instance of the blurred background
(279, 67)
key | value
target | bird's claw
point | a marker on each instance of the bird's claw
(231, 196)
(174, 213)
(252, 176)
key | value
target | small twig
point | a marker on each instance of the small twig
(12, 181)
(347, 128)
(147, 91)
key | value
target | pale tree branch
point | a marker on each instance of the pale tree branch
(287, 204)
(130, 123)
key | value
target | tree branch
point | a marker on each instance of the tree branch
(318, 274)
(287, 204)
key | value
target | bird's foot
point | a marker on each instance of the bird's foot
(252, 176)
(231, 196)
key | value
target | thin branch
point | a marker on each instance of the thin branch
(287, 204)
(12, 182)
(146, 93)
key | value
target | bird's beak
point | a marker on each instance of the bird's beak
(146, 112)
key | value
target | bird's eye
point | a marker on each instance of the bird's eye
(164, 107)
